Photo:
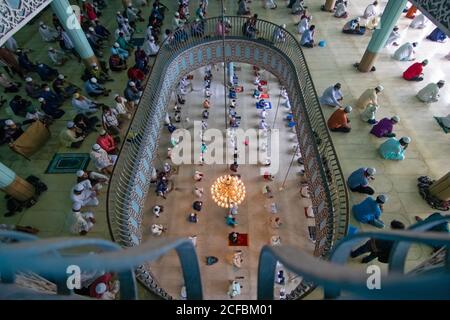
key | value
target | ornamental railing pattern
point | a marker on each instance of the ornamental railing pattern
(189, 51)
(14, 14)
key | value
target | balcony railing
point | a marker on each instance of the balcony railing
(130, 182)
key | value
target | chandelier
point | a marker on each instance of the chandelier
(227, 190)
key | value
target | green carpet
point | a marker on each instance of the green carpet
(68, 162)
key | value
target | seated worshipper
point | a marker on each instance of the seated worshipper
(198, 192)
(101, 30)
(307, 39)
(85, 124)
(279, 34)
(32, 89)
(110, 121)
(230, 220)
(384, 127)
(19, 106)
(102, 160)
(338, 121)
(369, 113)
(256, 94)
(11, 131)
(96, 72)
(353, 27)
(431, 92)
(267, 191)
(369, 96)
(234, 289)
(34, 115)
(437, 35)
(150, 47)
(233, 237)
(132, 93)
(71, 137)
(8, 84)
(242, 9)
(106, 141)
(104, 287)
(51, 97)
(122, 107)
(205, 114)
(51, 109)
(45, 72)
(95, 179)
(237, 259)
(47, 33)
(263, 125)
(94, 89)
(303, 25)
(393, 37)
(84, 195)
(262, 104)
(157, 229)
(419, 22)
(83, 105)
(193, 217)
(405, 52)
(198, 176)
(197, 28)
(270, 4)
(63, 87)
(57, 57)
(393, 149)
(24, 61)
(123, 43)
(369, 210)
(135, 74)
(378, 248)
(141, 60)
(371, 12)
(116, 49)
(80, 222)
(157, 210)
(341, 10)
(332, 96)
(358, 181)
(116, 63)
(298, 7)
(415, 71)
(162, 187)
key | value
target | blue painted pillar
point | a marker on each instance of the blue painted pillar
(14, 185)
(69, 20)
(389, 19)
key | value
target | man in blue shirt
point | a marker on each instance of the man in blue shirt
(369, 211)
(93, 89)
(358, 181)
(307, 39)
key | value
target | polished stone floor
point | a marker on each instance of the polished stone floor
(428, 153)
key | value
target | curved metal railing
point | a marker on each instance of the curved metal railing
(125, 199)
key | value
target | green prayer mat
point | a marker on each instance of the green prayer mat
(68, 162)
(439, 121)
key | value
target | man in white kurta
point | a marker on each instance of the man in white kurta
(405, 52)
(303, 25)
(48, 34)
(150, 47)
(371, 10)
(369, 96)
(419, 22)
(393, 37)
(369, 113)
(431, 92)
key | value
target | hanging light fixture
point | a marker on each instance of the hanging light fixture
(226, 190)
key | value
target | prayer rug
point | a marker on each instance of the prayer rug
(264, 96)
(68, 162)
(242, 241)
(439, 121)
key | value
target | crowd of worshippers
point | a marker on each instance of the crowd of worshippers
(45, 89)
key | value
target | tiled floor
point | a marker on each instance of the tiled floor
(428, 154)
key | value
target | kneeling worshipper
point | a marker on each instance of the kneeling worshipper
(393, 37)
(369, 210)
(405, 52)
(332, 96)
(437, 35)
(415, 71)
(419, 22)
(369, 96)
(431, 92)
(384, 127)
(353, 27)
(338, 121)
(393, 149)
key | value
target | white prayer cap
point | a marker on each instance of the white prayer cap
(348, 109)
(41, 99)
(9, 122)
(80, 173)
(28, 79)
(91, 29)
(79, 187)
(76, 206)
(425, 62)
(151, 38)
(96, 147)
(116, 95)
(379, 87)
(93, 80)
(283, 26)
(130, 5)
(371, 171)
(116, 45)
(50, 49)
(406, 140)
(118, 13)
(177, 14)
(358, 19)
(70, 124)
(100, 288)
(396, 119)
(102, 132)
(76, 95)
(41, 23)
(60, 76)
(132, 84)
(382, 198)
